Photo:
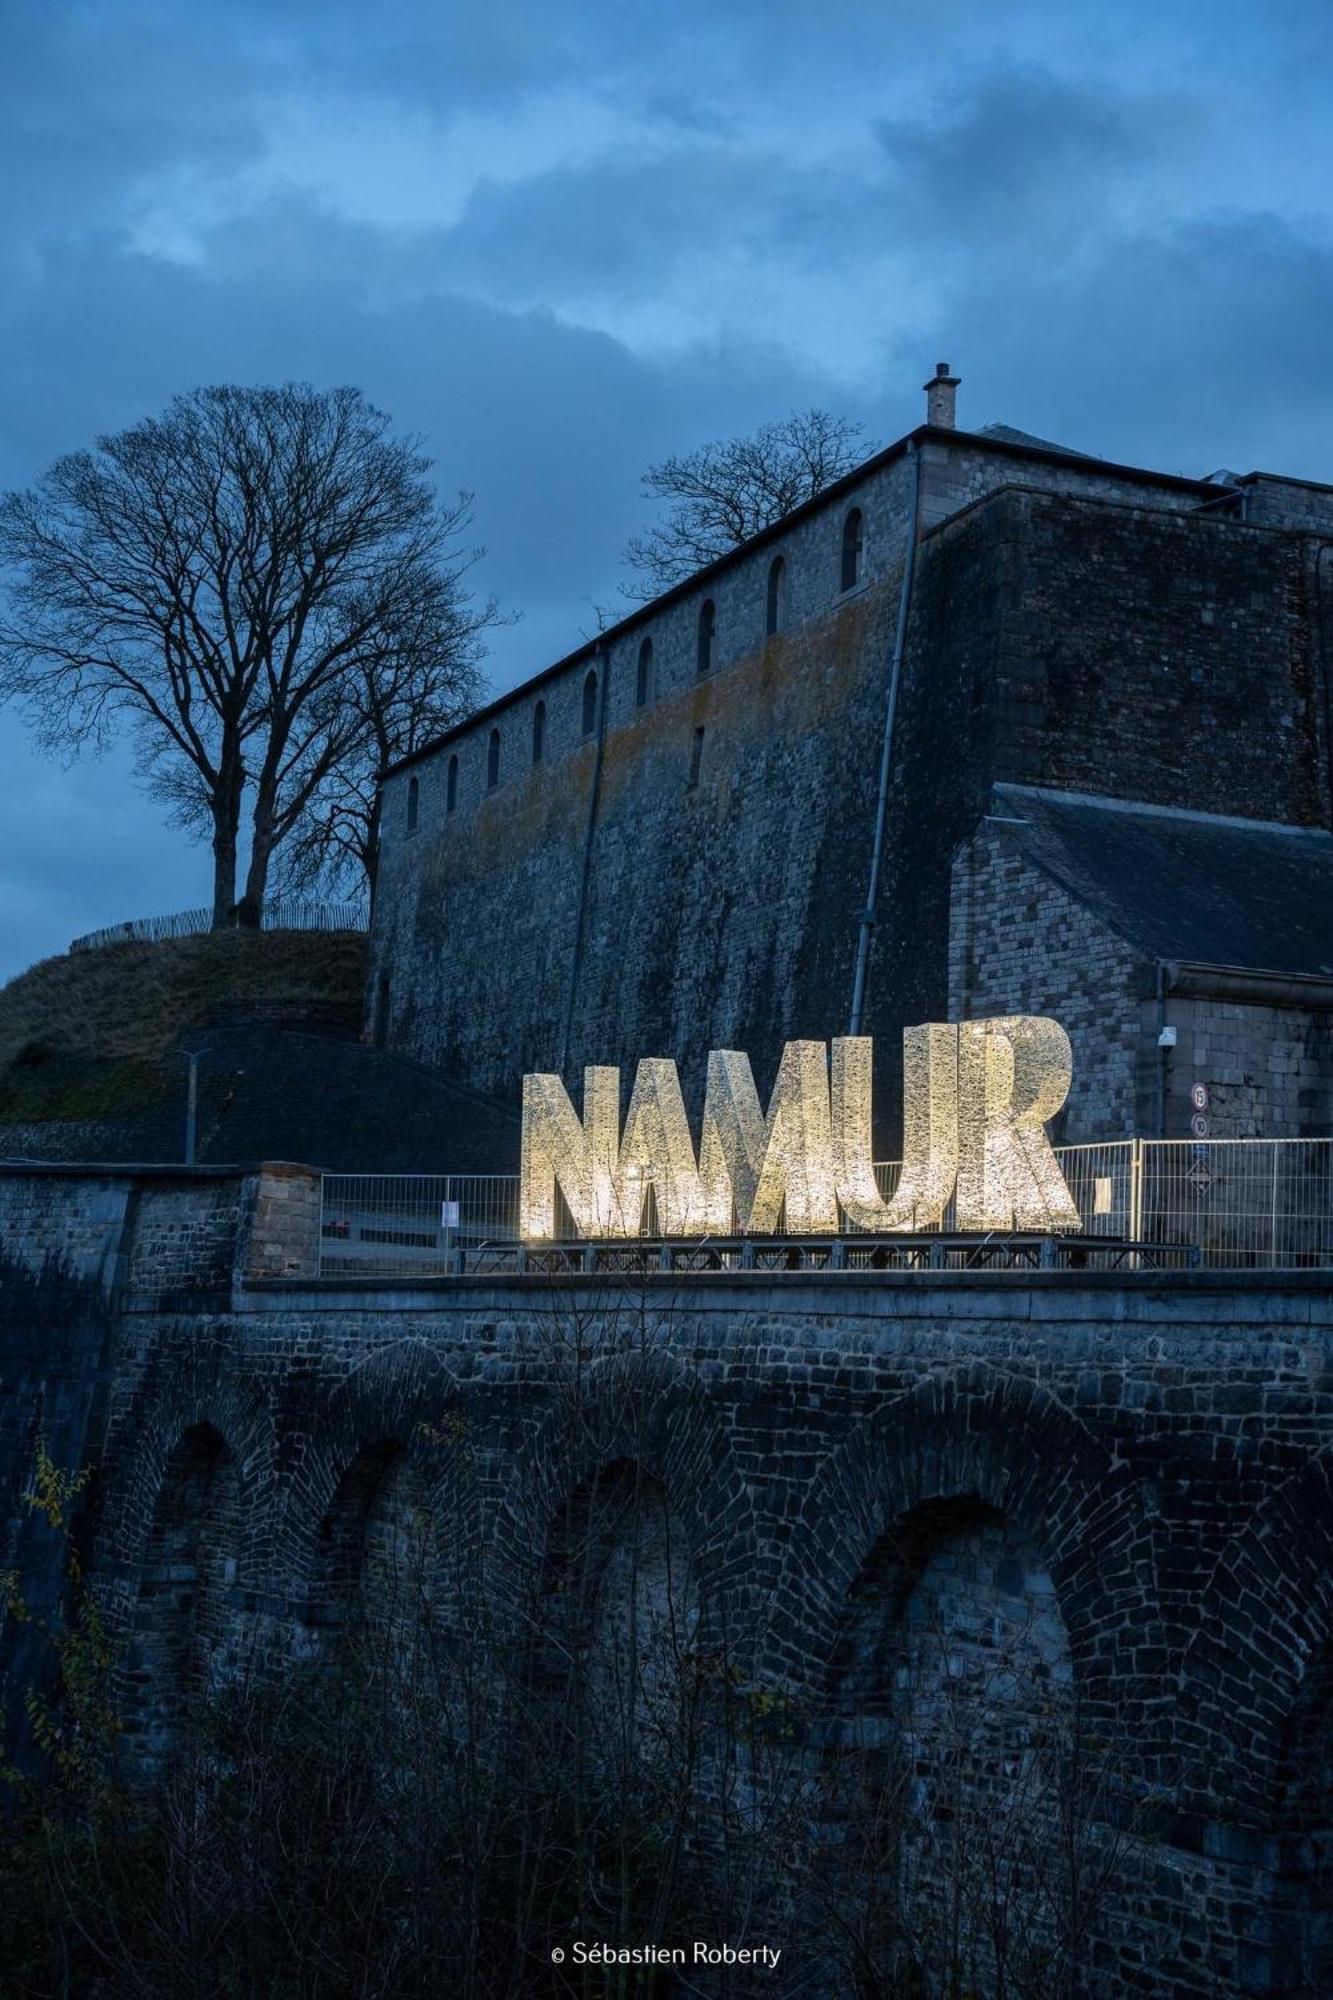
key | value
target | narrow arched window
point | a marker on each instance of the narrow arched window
(451, 786)
(493, 761)
(707, 632)
(643, 685)
(776, 616)
(538, 731)
(590, 702)
(853, 548)
(413, 804)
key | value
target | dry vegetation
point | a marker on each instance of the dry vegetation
(86, 1035)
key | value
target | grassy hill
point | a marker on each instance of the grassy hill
(96, 1033)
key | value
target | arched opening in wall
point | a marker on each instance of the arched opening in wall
(179, 1649)
(493, 761)
(375, 1566)
(622, 1615)
(539, 732)
(590, 701)
(378, 1634)
(1303, 1825)
(644, 690)
(776, 614)
(964, 1811)
(853, 548)
(451, 786)
(707, 635)
(413, 803)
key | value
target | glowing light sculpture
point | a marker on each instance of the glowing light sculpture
(753, 1163)
(578, 1157)
(930, 1130)
(1013, 1074)
(657, 1151)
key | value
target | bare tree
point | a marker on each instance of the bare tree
(722, 493)
(431, 682)
(225, 581)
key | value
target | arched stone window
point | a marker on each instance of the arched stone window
(179, 1625)
(413, 804)
(376, 1566)
(625, 1611)
(538, 732)
(493, 761)
(643, 683)
(590, 702)
(776, 614)
(853, 548)
(953, 1731)
(707, 634)
(451, 786)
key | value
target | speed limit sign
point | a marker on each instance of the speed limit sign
(1199, 1096)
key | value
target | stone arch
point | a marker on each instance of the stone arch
(382, 1497)
(178, 1616)
(1302, 1915)
(991, 1437)
(184, 1388)
(618, 1638)
(955, 1589)
(1266, 1615)
(182, 1546)
(644, 1410)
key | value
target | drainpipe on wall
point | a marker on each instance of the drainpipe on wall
(1163, 1050)
(603, 660)
(886, 751)
(1325, 671)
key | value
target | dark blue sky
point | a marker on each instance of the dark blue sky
(561, 242)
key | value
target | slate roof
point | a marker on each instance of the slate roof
(1187, 886)
(1006, 434)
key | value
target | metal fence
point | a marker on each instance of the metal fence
(1261, 1204)
(287, 913)
(376, 1225)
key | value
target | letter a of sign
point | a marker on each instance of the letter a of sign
(559, 1151)
(658, 1152)
(1013, 1074)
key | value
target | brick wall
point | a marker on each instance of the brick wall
(1021, 944)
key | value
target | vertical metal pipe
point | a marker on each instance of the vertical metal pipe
(603, 658)
(192, 1109)
(886, 749)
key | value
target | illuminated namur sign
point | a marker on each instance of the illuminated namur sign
(977, 1097)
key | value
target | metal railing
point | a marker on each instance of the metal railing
(288, 913)
(1259, 1204)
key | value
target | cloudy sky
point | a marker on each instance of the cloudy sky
(563, 241)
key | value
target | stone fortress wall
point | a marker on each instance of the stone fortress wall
(1131, 1478)
(691, 870)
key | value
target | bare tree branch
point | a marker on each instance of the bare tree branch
(721, 494)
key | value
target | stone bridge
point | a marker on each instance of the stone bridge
(1129, 1476)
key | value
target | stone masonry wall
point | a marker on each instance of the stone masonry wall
(1158, 1449)
(1120, 644)
(1019, 943)
(1130, 1475)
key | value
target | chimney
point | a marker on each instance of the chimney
(941, 394)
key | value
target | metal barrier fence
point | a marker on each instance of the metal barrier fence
(1260, 1204)
(288, 913)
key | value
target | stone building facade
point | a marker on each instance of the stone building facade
(664, 842)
